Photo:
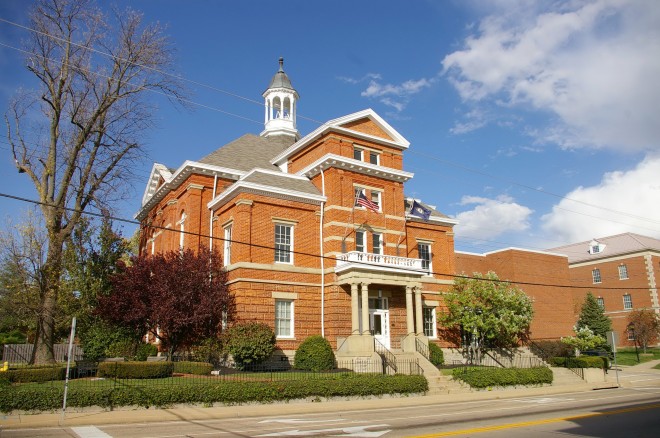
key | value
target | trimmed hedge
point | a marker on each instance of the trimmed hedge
(581, 362)
(314, 354)
(436, 356)
(489, 377)
(135, 370)
(37, 374)
(188, 367)
(31, 398)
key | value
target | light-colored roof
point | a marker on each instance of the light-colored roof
(282, 181)
(249, 152)
(611, 246)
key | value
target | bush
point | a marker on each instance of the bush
(144, 351)
(33, 398)
(198, 368)
(580, 362)
(314, 354)
(436, 356)
(551, 348)
(36, 374)
(489, 377)
(209, 350)
(135, 370)
(250, 343)
(103, 340)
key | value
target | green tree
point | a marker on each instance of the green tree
(584, 339)
(488, 311)
(77, 132)
(645, 324)
(592, 315)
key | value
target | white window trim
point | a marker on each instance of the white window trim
(377, 163)
(428, 244)
(291, 245)
(226, 247)
(182, 230)
(363, 190)
(381, 241)
(435, 323)
(364, 238)
(596, 273)
(361, 151)
(291, 335)
(625, 268)
(625, 303)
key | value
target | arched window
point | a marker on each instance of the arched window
(182, 230)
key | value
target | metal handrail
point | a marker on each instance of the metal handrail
(389, 359)
(422, 348)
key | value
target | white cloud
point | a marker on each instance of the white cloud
(587, 63)
(635, 192)
(491, 217)
(396, 96)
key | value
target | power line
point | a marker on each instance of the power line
(253, 245)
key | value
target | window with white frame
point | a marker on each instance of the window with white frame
(374, 157)
(227, 245)
(376, 198)
(283, 243)
(430, 329)
(357, 154)
(601, 302)
(284, 318)
(595, 274)
(627, 302)
(360, 241)
(631, 335)
(182, 230)
(424, 251)
(377, 243)
(623, 272)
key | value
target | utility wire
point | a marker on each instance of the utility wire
(253, 245)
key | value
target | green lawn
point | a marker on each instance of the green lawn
(627, 356)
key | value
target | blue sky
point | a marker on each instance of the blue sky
(535, 124)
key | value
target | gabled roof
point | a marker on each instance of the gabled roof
(620, 244)
(248, 152)
(340, 125)
(158, 172)
(271, 183)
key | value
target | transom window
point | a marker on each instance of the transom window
(430, 329)
(284, 318)
(623, 272)
(283, 243)
(627, 302)
(595, 274)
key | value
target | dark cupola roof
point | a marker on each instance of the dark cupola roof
(281, 80)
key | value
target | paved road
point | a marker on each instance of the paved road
(604, 413)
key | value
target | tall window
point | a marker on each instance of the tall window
(430, 330)
(377, 241)
(595, 274)
(601, 302)
(283, 243)
(627, 302)
(359, 241)
(424, 251)
(623, 272)
(284, 318)
(227, 245)
(182, 230)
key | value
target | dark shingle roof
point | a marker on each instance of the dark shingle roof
(248, 152)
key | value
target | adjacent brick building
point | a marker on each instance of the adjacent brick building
(316, 231)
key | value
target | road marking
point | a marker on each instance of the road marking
(299, 421)
(537, 422)
(357, 431)
(541, 400)
(90, 432)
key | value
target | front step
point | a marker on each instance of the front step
(438, 383)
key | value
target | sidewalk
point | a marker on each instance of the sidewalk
(98, 416)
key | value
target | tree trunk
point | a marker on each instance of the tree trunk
(43, 352)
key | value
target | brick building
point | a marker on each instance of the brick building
(316, 232)
(622, 272)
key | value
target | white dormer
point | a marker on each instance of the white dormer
(280, 106)
(595, 247)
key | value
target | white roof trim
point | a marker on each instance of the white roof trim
(333, 160)
(399, 141)
(249, 187)
(157, 171)
(513, 248)
(175, 179)
(274, 172)
(436, 219)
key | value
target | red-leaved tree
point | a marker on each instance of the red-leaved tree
(180, 297)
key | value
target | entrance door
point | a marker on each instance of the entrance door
(379, 320)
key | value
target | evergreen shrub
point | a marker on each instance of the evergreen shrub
(39, 373)
(250, 343)
(314, 354)
(491, 377)
(197, 368)
(144, 351)
(135, 370)
(436, 356)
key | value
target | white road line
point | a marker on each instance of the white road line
(90, 432)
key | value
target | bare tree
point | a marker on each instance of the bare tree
(78, 134)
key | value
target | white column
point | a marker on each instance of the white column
(410, 324)
(365, 308)
(355, 316)
(419, 321)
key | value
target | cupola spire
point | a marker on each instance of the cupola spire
(280, 102)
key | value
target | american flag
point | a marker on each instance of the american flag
(369, 205)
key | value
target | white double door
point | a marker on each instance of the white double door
(379, 320)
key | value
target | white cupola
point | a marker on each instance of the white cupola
(280, 106)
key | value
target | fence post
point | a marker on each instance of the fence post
(68, 365)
